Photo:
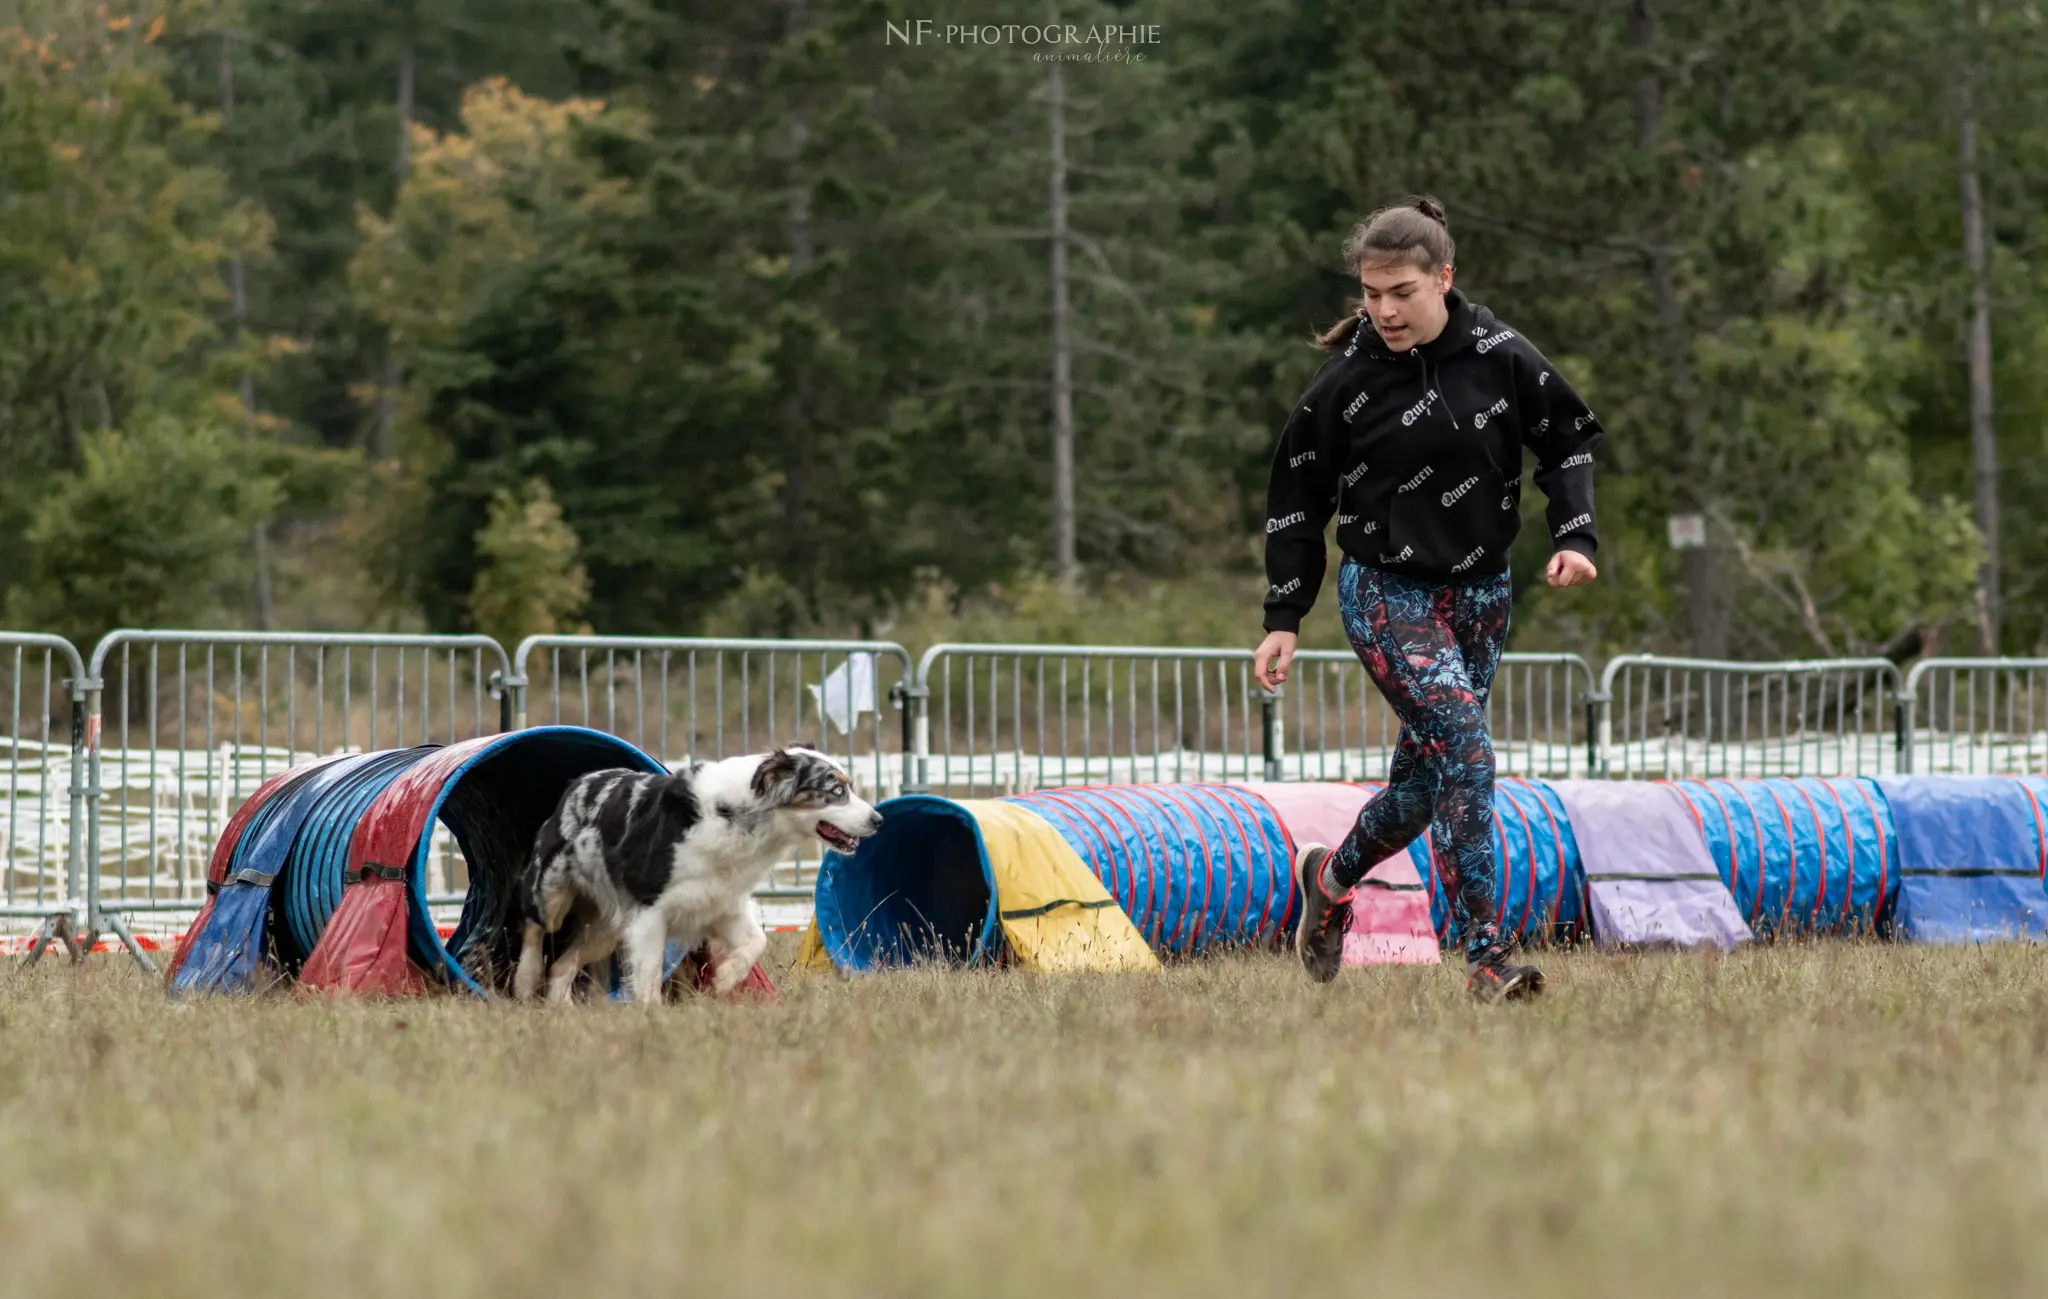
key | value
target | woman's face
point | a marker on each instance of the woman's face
(1405, 303)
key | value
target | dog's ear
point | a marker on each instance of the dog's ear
(775, 779)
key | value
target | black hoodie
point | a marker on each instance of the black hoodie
(1419, 455)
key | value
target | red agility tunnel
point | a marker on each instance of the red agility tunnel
(361, 915)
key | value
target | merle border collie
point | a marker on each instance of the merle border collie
(631, 861)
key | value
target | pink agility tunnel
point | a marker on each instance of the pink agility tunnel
(1390, 922)
(1542, 881)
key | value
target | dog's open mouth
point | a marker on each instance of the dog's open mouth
(836, 838)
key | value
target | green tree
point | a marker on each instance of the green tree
(113, 233)
(326, 94)
(151, 531)
(529, 583)
(1938, 76)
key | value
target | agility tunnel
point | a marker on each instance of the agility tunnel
(221, 951)
(1068, 880)
(1624, 864)
(1390, 916)
(1103, 877)
(1973, 857)
(1649, 880)
(1192, 867)
(1801, 855)
(322, 875)
(1542, 880)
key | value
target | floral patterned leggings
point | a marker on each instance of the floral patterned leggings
(1432, 651)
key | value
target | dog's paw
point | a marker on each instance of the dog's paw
(727, 973)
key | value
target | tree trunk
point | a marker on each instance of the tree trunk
(1707, 620)
(238, 300)
(797, 411)
(387, 388)
(1983, 432)
(1065, 566)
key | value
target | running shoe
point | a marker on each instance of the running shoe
(1493, 977)
(1319, 938)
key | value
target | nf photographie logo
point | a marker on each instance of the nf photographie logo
(1049, 42)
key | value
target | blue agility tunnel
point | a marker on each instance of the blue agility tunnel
(1542, 880)
(1801, 855)
(1193, 866)
(923, 889)
(1973, 853)
(228, 943)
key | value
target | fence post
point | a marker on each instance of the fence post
(1273, 738)
(63, 927)
(1902, 709)
(511, 693)
(89, 737)
(1597, 735)
(911, 695)
(98, 919)
(74, 862)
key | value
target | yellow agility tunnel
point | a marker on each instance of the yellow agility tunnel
(1089, 878)
(967, 883)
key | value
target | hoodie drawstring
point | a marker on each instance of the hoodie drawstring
(1431, 383)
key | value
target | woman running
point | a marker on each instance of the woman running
(1411, 434)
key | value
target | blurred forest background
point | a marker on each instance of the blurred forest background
(652, 316)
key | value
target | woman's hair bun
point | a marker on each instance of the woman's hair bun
(1432, 209)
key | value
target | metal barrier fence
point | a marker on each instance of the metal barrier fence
(1976, 716)
(1676, 718)
(43, 680)
(1000, 719)
(693, 699)
(182, 726)
(121, 770)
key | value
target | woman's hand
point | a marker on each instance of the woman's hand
(1273, 657)
(1569, 568)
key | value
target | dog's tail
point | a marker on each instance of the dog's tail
(546, 845)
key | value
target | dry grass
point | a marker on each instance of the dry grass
(1814, 1120)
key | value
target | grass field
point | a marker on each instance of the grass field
(1814, 1120)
